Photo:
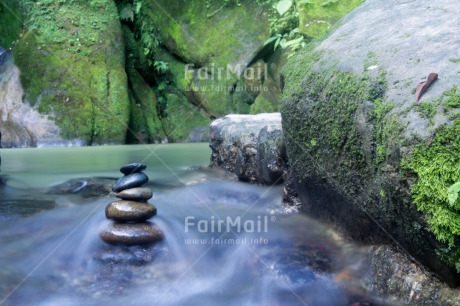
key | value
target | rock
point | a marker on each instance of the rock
(128, 211)
(144, 122)
(131, 233)
(135, 194)
(317, 17)
(397, 278)
(199, 134)
(249, 146)
(364, 154)
(130, 181)
(181, 117)
(132, 168)
(88, 186)
(131, 255)
(215, 36)
(93, 95)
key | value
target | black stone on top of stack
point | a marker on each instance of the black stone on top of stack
(132, 211)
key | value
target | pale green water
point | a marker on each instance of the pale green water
(38, 168)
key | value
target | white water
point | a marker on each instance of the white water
(55, 257)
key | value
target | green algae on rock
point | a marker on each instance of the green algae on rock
(72, 68)
(358, 142)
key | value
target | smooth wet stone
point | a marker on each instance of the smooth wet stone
(132, 168)
(87, 187)
(128, 211)
(131, 233)
(130, 181)
(136, 194)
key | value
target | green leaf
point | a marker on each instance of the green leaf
(277, 43)
(283, 43)
(271, 39)
(283, 6)
(138, 7)
(452, 193)
(127, 13)
(293, 42)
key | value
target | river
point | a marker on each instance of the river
(51, 253)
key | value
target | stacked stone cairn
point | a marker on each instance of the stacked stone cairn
(132, 211)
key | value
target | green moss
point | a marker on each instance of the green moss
(144, 124)
(335, 99)
(72, 67)
(317, 16)
(261, 105)
(10, 23)
(427, 109)
(437, 167)
(181, 117)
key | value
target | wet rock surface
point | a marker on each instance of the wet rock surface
(135, 194)
(132, 168)
(131, 233)
(249, 146)
(364, 153)
(89, 186)
(395, 276)
(130, 181)
(127, 211)
(133, 208)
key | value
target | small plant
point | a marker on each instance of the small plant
(285, 25)
(161, 67)
(452, 194)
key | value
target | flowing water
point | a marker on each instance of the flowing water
(51, 253)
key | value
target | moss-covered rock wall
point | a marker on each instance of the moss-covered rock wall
(364, 152)
(72, 67)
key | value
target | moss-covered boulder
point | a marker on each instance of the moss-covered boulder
(209, 37)
(144, 123)
(365, 154)
(316, 17)
(180, 118)
(72, 68)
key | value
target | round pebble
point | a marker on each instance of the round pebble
(135, 194)
(132, 168)
(129, 211)
(130, 181)
(131, 233)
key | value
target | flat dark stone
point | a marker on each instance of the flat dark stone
(130, 181)
(132, 168)
(135, 194)
(128, 211)
(87, 187)
(131, 233)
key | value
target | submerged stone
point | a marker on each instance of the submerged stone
(126, 211)
(130, 181)
(131, 233)
(135, 194)
(132, 168)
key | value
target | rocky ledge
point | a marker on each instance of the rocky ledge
(249, 146)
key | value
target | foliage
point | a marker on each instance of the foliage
(452, 193)
(435, 192)
(284, 27)
(10, 23)
(136, 14)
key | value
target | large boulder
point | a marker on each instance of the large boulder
(72, 68)
(20, 124)
(206, 37)
(364, 153)
(249, 146)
